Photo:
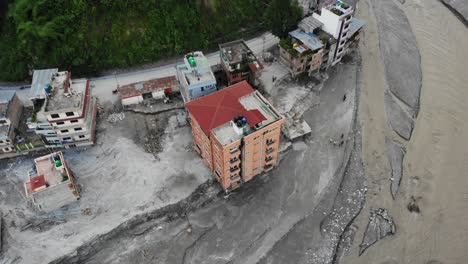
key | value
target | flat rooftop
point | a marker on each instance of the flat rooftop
(194, 78)
(227, 134)
(237, 52)
(47, 173)
(40, 79)
(216, 112)
(339, 8)
(65, 94)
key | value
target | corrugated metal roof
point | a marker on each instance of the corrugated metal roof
(6, 95)
(40, 79)
(5, 98)
(356, 24)
(309, 24)
(309, 39)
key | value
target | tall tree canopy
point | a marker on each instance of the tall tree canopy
(282, 16)
(87, 36)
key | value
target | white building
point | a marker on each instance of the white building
(336, 19)
(64, 111)
(195, 76)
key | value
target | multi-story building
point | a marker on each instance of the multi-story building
(303, 50)
(336, 19)
(195, 76)
(11, 108)
(321, 40)
(51, 183)
(237, 133)
(64, 111)
(238, 62)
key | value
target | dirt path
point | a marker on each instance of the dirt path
(435, 167)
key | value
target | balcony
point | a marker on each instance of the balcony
(270, 142)
(268, 166)
(269, 150)
(234, 177)
(269, 158)
(234, 160)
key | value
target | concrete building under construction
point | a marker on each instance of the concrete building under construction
(51, 183)
(64, 111)
(237, 132)
(238, 62)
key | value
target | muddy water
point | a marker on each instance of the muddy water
(436, 164)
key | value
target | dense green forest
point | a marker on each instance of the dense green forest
(87, 36)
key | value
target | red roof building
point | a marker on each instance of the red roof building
(230, 122)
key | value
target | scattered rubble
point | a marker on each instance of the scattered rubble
(380, 225)
(395, 153)
(115, 117)
(413, 205)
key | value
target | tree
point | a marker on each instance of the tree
(282, 16)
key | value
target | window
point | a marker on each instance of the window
(78, 129)
(64, 131)
(340, 50)
(54, 115)
(217, 173)
(342, 42)
(81, 136)
(347, 26)
(67, 138)
(202, 89)
(74, 121)
(233, 177)
(69, 113)
(3, 121)
(60, 123)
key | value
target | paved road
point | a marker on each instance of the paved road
(105, 84)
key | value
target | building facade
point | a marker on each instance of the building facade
(238, 62)
(11, 108)
(321, 40)
(51, 183)
(237, 133)
(64, 111)
(195, 77)
(336, 19)
(302, 51)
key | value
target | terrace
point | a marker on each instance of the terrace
(48, 172)
(238, 57)
(62, 94)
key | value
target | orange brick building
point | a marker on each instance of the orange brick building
(237, 132)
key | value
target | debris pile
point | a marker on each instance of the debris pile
(380, 225)
(115, 117)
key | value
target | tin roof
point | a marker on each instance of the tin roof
(309, 24)
(356, 24)
(5, 98)
(308, 39)
(137, 89)
(40, 79)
